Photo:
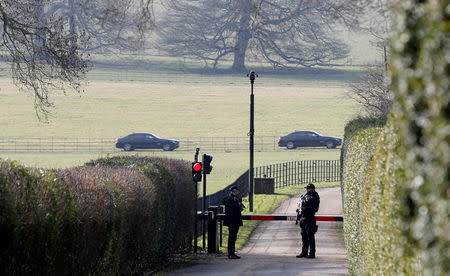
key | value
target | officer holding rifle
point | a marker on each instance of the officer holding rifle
(308, 205)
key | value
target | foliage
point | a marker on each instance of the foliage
(404, 218)
(352, 128)
(176, 198)
(420, 79)
(357, 155)
(38, 222)
(360, 123)
(94, 220)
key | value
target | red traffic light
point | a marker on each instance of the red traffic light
(197, 167)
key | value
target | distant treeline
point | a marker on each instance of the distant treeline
(119, 215)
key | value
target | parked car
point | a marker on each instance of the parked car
(146, 141)
(308, 139)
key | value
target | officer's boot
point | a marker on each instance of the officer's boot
(312, 255)
(304, 252)
(312, 251)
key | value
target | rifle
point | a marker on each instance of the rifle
(298, 216)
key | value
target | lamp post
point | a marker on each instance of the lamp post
(252, 76)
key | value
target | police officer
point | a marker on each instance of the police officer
(233, 219)
(308, 205)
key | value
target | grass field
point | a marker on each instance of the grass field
(158, 95)
(227, 167)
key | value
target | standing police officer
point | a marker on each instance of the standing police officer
(308, 205)
(233, 219)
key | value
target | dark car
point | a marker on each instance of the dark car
(308, 139)
(146, 141)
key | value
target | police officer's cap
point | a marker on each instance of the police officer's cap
(234, 188)
(310, 185)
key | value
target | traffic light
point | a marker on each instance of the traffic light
(207, 168)
(196, 171)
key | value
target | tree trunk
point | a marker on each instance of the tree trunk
(243, 36)
(239, 57)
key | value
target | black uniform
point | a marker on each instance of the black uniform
(309, 206)
(233, 219)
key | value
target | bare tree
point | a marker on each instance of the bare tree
(47, 42)
(372, 92)
(282, 32)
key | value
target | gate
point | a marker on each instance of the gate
(216, 214)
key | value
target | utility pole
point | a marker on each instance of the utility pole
(252, 76)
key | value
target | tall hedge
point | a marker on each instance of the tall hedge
(122, 216)
(420, 80)
(177, 199)
(358, 154)
(38, 222)
(404, 204)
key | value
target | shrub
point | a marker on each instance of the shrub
(420, 80)
(38, 222)
(405, 202)
(177, 199)
(123, 216)
(359, 153)
(115, 230)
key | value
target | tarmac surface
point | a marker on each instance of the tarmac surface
(272, 248)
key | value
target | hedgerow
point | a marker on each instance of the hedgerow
(38, 222)
(121, 216)
(359, 153)
(176, 199)
(420, 79)
(404, 204)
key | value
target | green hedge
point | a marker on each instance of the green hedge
(38, 222)
(420, 79)
(397, 220)
(117, 217)
(177, 199)
(359, 153)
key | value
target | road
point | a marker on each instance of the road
(272, 247)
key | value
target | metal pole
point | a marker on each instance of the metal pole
(204, 204)
(252, 76)
(196, 197)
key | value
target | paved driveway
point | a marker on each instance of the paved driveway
(272, 247)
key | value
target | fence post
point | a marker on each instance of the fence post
(290, 173)
(309, 171)
(286, 173)
(316, 170)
